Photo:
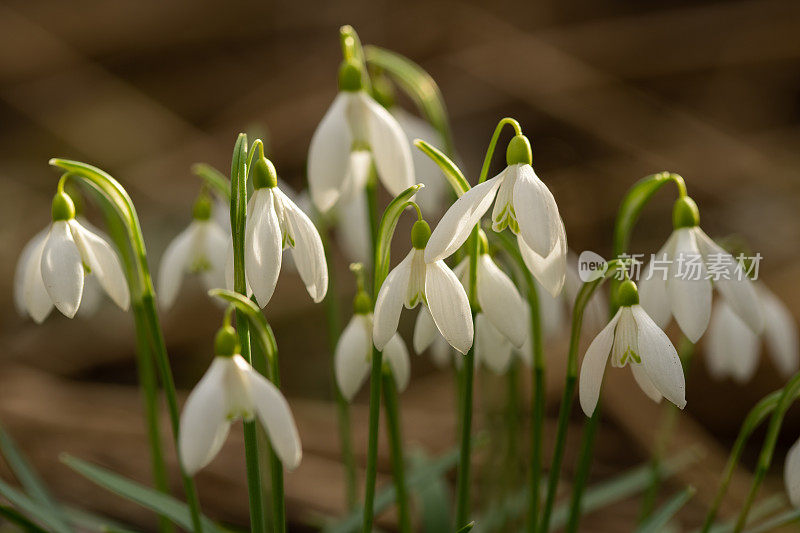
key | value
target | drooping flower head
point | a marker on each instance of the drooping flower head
(678, 281)
(434, 285)
(229, 390)
(56, 262)
(355, 133)
(523, 204)
(353, 356)
(791, 474)
(732, 348)
(199, 249)
(273, 223)
(632, 338)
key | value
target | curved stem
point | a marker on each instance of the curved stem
(584, 467)
(493, 144)
(372, 443)
(117, 200)
(396, 449)
(790, 393)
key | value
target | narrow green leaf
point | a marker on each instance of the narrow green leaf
(789, 517)
(25, 473)
(216, 180)
(466, 528)
(386, 231)
(451, 171)
(33, 509)
(661, 517)
(86, 521)
(18, 519)
(434, 498)
(418, 84)
(157, 502)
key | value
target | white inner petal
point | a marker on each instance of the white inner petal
(416, 282)
(626, 345)
(503, 214)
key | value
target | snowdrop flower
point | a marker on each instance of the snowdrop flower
(355, 133)
(232, 389)
(632, 338)
(353, 356)
(522, 203)
(733, 348)
(687, 263)
(54, 265)
(791, 474)
(273, 223)
(492, 348)
(199, 249)
(415, 280)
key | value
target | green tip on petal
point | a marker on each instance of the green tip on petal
(226, 343)
(685, 213)
(63, 207)
(264, 174)
(420, 233)
(519, 151)
(627, 294)
(362, 303)
(202, 207)
(350, 76)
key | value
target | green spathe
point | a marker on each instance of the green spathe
(226, 343)
(264, 174)
(685, 213)
(519, 151)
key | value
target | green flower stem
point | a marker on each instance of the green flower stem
(493, 144)
(754, 418)
(582, 473)
(116, 199)
(584, 295)
(512, 423)
(334, 327)
(390, 398)
(275, 466)
(463, 480)
(381, 255)
(787, 398)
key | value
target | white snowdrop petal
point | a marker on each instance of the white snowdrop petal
(594, 366)
(731, 347)
(500, 301)
(308, 253)
(204, 423)
(491, 347)
(263, 245)
(536, 209)
(449, 306)
(390, 300)
(28, 251)
(62, 269)
(549, 271)
(276, 417)
(688, 289)
(652, 283)
(329, 154)
(92, 297)
(441, 352)
(659, 358)
(644, 382)
(215, 247)
(352, 228)
(390, 149)
(103, 262)
(425, 331)
(395, 354)
(431, 198)
(353, 356)
(174, 264)
(780, 332)
(791, 474)
(732, 282)
(457, 223)
(36, 300)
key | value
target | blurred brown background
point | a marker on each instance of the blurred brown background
(608, 91)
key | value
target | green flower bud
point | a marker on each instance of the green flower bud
(362, 303)
(63, 207)
(420, 233)
(519, 151)
(202, 207)
(264, 174)
(685, 213)
(350, 76)
(627, 294)
(226, 343)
